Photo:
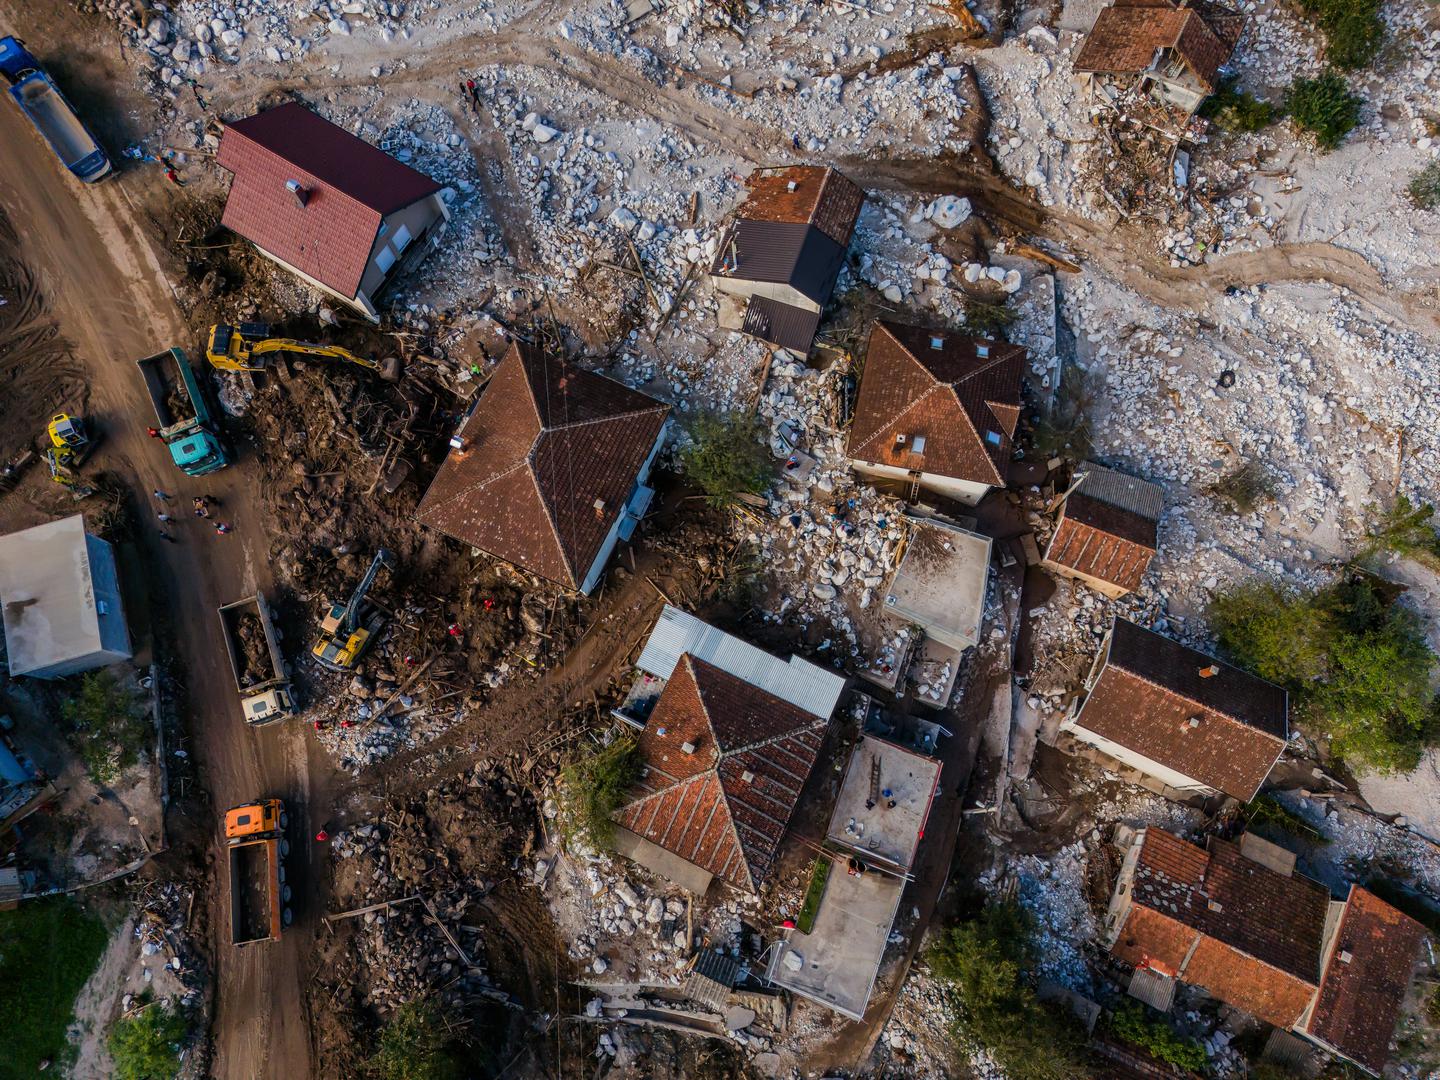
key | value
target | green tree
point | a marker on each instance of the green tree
(1133, 1023)
(985, 964)
(1353, 30)
(1232, 109)
(594, 785)
(107, 726)
(1356, 664)
(147, 1046)
(1324, 107)
(415, 1045)
(727, 456)
(987, 319)
(1405, 528)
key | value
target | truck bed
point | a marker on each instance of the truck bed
(254, 909)
(254, 658)
(60, 126)
(167, 389)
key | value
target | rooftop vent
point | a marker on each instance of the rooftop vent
(1192, 722)
(599, 506)
(917, 446)
(900, 438)
(1209, 671)
(687, 747)
(299, 190)
(748, 776)
(660, 731)
(790, 185)
(1345, 956)
(982, 350)
(1215, 905)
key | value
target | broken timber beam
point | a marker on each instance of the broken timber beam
(1030, 251)
(383, 905)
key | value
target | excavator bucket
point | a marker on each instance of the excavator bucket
(390, 368)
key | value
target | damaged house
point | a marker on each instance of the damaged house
(326, 205)
(777, 265)
(1106, 531)
(938, 409)
(548, 470)
(729, 735)
(1235, 920)
(1183, 720)
(1175, 48)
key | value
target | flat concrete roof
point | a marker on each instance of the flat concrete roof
(48, 595)
(837, 962)
(878, 830)
(940, 582)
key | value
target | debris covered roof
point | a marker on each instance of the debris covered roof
(1107, 527)
(1366, 979)
(1127, 36)
(960, 394)
(1226, 729)
(349, 186)
(806, 194)
(551, 456)
(725, 764)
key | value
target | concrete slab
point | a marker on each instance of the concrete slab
(884, 802)
(836, 963)
(940, 582)
(657, 860)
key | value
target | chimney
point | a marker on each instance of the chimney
(301, 193)
(748, 776)
(790, 185)
(599, 507)
(1209, 671)
(687, 747)
(1345, 956)
(1193, 722)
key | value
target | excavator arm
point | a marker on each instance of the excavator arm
(245, 347)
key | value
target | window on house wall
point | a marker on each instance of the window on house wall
(402, 238)
(385, 260)
(384, 228)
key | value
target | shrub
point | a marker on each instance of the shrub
(415, 1045)
(1405, 529)
(147, 1046)
(987, 319)
(727, 456)
(594, 785)
(1234, 110)
(1424, 187)
(107, 726)
(1063, 429)
(1355, 662)
(1324, 107)
(1353, 30)
(1246, 488)
(984, 964)
(1132, 1023)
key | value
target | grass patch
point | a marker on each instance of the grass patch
(1424, 187)
(1356, 664)
(814, 893)
(1324, 107)
(416, 1045)
(987, 319)
(1267, 810)
(1245, 489)
(1234, 110)
(593, 786)
(48, 948)
(1133, 1023)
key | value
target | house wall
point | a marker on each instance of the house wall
(1100, 585)
(772, 290)
(105, 579)
(418, 217)
(1123, 754)
(597, 568)
(1121, 897)
(966, 491)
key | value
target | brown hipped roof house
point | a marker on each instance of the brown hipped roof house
(548, 470)
(1105, 535)
(777, 265)
(1235, 920)
(938, 408)
(1176, 46)
(1187, 721)
(327, 206)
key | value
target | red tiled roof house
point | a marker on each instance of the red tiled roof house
(326, 205)
(778, 263)
(1177, 48)
(728, 744)
(1184, 719)
(1235, 920)
(937, 408)
(1105, 534)
(548, 470)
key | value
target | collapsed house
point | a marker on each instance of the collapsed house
(777, 265)
(1106, 532)
(937, 409)
(1175, 47)
(1185, 721)
(1235, 920)
(728, 735)
(547, 471)
(326, 205)
(833, 956)
(60, 592)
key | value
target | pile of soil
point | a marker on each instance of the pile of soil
(254, 652)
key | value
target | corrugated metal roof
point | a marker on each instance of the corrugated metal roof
(781, 252)
(780, 324)
(1127, 492)
(797, 681)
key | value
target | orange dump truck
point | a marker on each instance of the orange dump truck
(255, 837)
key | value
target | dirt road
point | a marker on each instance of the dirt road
(108, 296)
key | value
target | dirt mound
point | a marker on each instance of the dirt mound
(253, 654)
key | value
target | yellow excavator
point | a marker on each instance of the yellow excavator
(70, 444)
(249, 347)
(348, 629)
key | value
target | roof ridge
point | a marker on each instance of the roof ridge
(659, 405)
(770, 740)
(483, 484)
